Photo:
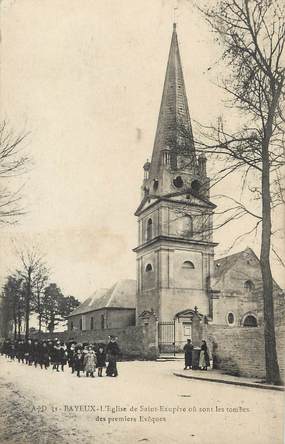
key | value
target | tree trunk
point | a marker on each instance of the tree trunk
(15, 328)
(271, 362)
(15, 318)
(28, 299)
(40, 322)
(39, 311)
(51, 325)
(19, 327)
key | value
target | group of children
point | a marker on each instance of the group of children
(80, 358)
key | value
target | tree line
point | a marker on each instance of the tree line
(28, 291)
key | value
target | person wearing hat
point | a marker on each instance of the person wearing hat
(112, 351)
(63, 355)
(56, 356)
(188, 350)
(89, 362)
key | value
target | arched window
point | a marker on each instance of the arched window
(178, 182)
(250, 321)
(102, 322)
(231, 318)
(188, 265)
(249, 285)
(149, 229)
(148, 268)
(91, 323)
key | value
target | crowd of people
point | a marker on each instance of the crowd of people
(83, 358)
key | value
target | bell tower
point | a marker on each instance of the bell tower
(175, 249)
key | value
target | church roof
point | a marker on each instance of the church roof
(222, 265)
(120, 295)
(174, 112)
(225, 264)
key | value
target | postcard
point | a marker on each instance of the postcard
(142, 222)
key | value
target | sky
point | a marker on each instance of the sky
(84, 80)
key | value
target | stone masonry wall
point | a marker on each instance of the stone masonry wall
(240, 350)
(135, 341)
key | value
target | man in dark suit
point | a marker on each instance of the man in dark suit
(188, 349)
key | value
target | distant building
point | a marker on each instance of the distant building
(106, 308)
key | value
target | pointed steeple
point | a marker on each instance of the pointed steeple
(174, 113)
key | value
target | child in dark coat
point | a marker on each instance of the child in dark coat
(101, 360)
(63, 355)
(44, 355)
(78, 362)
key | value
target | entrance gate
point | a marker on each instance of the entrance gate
(172, 335)
(166, 337)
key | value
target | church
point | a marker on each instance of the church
(178, 280)
(175, 252)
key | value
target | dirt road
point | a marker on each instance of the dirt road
(146, 403)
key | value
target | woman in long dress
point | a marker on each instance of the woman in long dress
(204, 360)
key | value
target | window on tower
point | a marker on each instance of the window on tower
(155, 184)
(188, 265)
(178, 182)
(149, 230)
(249, 285)
(196, 186)
(148, 268)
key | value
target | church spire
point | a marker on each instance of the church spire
(173, 114)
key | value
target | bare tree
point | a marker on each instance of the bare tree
(13, 162)
(40, 281)
(14, 296)
(252, 33)
(32, 267)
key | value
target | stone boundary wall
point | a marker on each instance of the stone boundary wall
(240, 351)
(280, 341)
(137, 342)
